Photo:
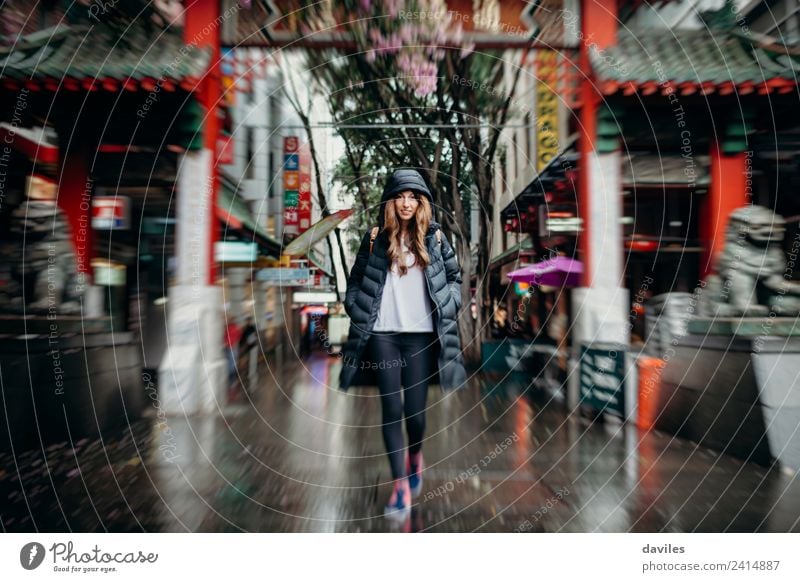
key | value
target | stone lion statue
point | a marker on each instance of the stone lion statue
(751, 278)
(39, 271)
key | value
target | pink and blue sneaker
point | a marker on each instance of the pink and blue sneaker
(399, 504)
(414, 472)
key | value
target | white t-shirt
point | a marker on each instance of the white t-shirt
(405, 304)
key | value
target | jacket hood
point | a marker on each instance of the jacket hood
(400, 181)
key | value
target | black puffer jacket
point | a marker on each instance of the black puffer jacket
(365, 289)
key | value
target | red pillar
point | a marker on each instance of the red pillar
(726, 193)
(202, 27)
(588, 128)
(598, 28)
(74, 198)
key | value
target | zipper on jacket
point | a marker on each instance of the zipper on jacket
(435, 302)
(430, 292)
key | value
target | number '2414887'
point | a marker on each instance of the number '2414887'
(754, 564)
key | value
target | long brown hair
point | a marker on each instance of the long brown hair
(417, 228)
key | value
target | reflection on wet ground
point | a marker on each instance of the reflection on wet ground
(303, 457)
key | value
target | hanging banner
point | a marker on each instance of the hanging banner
(296, 186)
(547, 138)
(291, 183)
(228, 77)
(304, 188)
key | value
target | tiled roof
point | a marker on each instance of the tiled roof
(99, 57)
(653, 60)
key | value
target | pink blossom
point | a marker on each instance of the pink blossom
(457, 35)
(405, 34)
(416, 66)
(418, 72)
(375, 35)
(393, 7)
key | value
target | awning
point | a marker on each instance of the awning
(551, 177)
(638, 170)
(319, 262)
(523, 251)
(228, 218)
(233, 211)
(316, 232)
(33, 143)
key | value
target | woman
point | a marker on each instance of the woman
(403, 297)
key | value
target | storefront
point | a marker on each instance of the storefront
(124, 119)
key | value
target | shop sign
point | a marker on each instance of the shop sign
(557, 219)
(290, 144)
(290, 220)
(307, 297)
(111, 213)
(296, 186)
(225, 147)
(109, 274)
(291, 198)
(228, 70)
(291, 180)
(284, 277)
(291, 162)
(235, 252)
(547, 138)
(602, 377)
(304, 177)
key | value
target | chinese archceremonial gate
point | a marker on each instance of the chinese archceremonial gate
(486, 24)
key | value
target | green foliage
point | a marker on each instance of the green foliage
(444, 120)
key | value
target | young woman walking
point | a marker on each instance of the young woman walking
(403, 297)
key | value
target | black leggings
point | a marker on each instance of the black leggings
(402, 359)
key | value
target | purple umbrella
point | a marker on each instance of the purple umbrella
(556, 272)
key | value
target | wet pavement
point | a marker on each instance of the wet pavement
(299, 456)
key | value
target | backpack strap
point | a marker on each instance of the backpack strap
(373, 234)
